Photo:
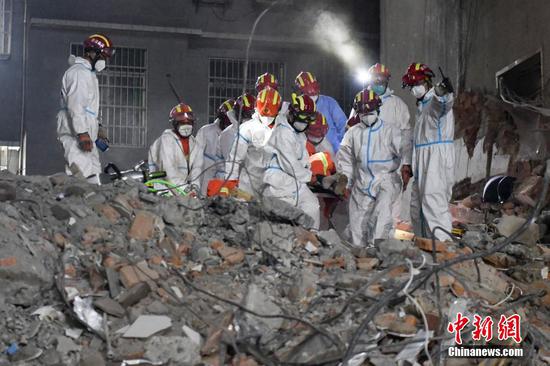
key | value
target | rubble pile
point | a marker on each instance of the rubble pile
(113, 275)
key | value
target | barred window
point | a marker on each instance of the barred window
(225, 79)
(9, 156)
(6, 11)
(123, 96)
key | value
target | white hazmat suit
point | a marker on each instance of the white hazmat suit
(247, 153)
(433, 165)
(167, 154)
(208, 136)
(395, 112)
(369, 157)
(288, 170)
(225, 142)
(78, 114)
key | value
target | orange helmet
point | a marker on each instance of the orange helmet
(306, 83)
(366, 101)
(416, 73)
(268, 102)
(321, 163)
(378, 73)
(100, 44)
(182, 114)
(318, 128)
(266, 79)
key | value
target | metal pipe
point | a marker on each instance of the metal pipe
(22, 133)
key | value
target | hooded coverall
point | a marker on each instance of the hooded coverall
(167, 154)
(79, 114)
(247, 151)
(369, 157)
(288, 171)
(433, 165)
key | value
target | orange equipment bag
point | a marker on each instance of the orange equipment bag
(322, 164)
(216, 187)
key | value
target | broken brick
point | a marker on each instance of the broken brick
(367, 263)
(231, 255)
(8, 262)
(427, 244)
(156, 260)
(338, 262)
(60, 240)
(93, 234)
(109, 213)
(446, 280)
(304, 236)
(129, 276)
(216, 244)
(242, 360)
(143, 226)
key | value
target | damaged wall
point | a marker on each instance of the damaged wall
(472, 40)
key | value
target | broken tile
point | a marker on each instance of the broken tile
(147, 325)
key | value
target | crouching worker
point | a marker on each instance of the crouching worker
(246, 157)
(177, 152)
(369, 157)
(288, 172)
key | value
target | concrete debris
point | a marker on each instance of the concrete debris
(147, 325)
(220, 281)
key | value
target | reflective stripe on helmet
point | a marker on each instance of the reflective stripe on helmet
(325, 163)
(417, 67)
(311, 78)
(103, 38)
(300, 80)
(246, 102)
(371, 95)
(262, 95)
(275, 98)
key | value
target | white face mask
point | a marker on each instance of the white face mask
(418, 91)
(369, 119)
(315, 140)
(267, 120)
(300, 126)
(314, 97)
(185, 130)
(99, 65)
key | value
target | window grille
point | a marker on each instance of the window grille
(123, 96)
(9, 156)
(225, 79)
(6, 12)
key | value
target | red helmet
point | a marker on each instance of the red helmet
(266, 79)
(306, 83)
(99, 43)
(268, 102)
(182, 114)
(302, 108)
(416, 73)
(244, 105)
(319, 127)
(378, 73)
(366, 101)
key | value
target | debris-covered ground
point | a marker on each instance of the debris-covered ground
(112, 275)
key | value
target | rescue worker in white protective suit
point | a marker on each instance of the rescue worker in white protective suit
(434, 155)
(288, 171)
(177, 152)
(208, 136)
(246, 158)
(78, 127)
(369, 156)
(243, 109)
(396, 113)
